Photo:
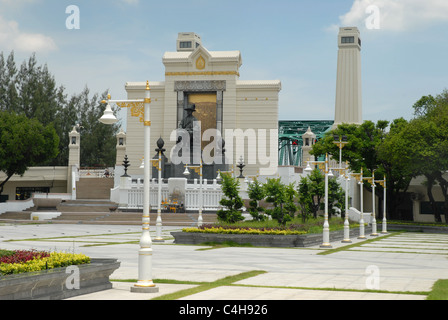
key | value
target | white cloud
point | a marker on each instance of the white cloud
(11, 38)
(397, 15)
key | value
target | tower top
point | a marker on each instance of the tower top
(349, 37)
(348, 107)
(188, 41)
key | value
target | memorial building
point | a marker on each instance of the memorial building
(243, 113)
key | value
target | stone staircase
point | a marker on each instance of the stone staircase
(13, 216)
(89, 211)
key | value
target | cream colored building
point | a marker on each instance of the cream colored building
(211, 80)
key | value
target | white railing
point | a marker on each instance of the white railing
(210, 198)
(211, 195)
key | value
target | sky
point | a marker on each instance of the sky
(104, 44)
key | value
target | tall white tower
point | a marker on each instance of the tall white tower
(348, 107)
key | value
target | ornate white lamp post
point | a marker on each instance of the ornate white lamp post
(360, 180)
(372, 181)
(326, 230)
(144, 283)
(340, 141)
(384, 225)
(198, 170)
(157, 163)
(346, 222)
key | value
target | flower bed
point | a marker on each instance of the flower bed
(28, 275)
(14, 262)
(238, 230)
(259, 237)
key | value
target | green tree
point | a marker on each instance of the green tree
(336, 197)
(31, 90)
(281, 198)
(364, 150)
(256, 193)
(311, 194)
(305, 199)
(24, 143)
(97, 140)
(232, 202)
(290, 196)
(420, 147)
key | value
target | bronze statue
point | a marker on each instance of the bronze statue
(187, 122)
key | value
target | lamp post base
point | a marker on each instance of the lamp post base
(144, 289)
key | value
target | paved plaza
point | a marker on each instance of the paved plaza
(403, 264)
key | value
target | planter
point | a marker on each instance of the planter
(59, 283)
(260, 240)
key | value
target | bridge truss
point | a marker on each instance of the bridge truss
(290, 138)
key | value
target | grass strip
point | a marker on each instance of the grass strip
(358, 244)
(228, 282)
(210, 285)
(422, 293)
(65, 237)
(439, 291)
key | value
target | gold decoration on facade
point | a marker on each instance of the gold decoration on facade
(200, 63)
(147, 123)
(203, 73)
(137, 108)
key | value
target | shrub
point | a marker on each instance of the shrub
(232, 201)
(242, 230)
(282, 197)
(30, 261)
(256, 193)
(21, 256)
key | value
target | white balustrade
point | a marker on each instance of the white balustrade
(211, 195)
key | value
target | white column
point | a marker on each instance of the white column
(374, 233)
(200, 195)
(361, 220)
(346, 222)
(145, 283)
(384, 227)
(159, 199)
(326, 231)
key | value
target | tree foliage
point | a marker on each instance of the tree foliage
(420, 146)
(24, 143)
(311, 195)
(364, 151)
(232, 202)
(256, 193)
(31, 90)
(282, 197)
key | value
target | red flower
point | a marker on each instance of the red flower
(21, 256)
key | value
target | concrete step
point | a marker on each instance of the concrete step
(24, 215)
(75, 213)
(131, 218)
(94, 188)
(86, 205)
